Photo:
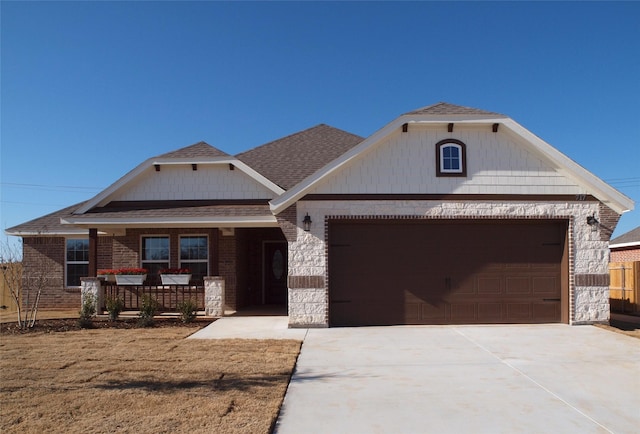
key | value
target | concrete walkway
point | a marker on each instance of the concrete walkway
(464, 379)
(250, 327)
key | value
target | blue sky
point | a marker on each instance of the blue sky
(91, 89)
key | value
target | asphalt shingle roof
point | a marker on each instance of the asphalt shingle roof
(289, 160)
(447, 109)
(633, 236)
(49, 223)
(197, 150)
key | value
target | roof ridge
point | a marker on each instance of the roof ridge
(444, 108)
(199, 149)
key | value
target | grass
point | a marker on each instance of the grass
(141, 380)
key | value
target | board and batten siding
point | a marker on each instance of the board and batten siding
(405, 163)
(181, 182)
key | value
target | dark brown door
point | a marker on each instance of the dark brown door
(275, 272)
(445, 272)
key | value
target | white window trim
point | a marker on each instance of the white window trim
(460, 157)
(67, 262)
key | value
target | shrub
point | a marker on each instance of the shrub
(187, 309)
(148, 309)
(87, 311)
(114, 307)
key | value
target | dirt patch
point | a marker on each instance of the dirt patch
(117, 379)
(625, 328)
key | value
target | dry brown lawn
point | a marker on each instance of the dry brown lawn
(141, 380)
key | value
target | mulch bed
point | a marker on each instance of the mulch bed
(66, 325)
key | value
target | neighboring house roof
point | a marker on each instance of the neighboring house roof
(443, 113)
(628, 239)
(289, 160)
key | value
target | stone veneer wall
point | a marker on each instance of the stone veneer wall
(588, 250)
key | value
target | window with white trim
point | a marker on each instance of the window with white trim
(77, 261)
(451, 158)
(155, 255)
(194, 255)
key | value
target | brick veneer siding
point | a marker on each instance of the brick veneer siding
(48, 253)
(113, 252)
(588, 250)
(625, 255)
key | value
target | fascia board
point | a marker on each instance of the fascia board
(253, 221)
(280, 203)
(257, 176)
(623, 245)
(594, 185)
(44, 233)
(114, 187)
(173, 161)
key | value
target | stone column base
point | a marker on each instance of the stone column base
(214, 296)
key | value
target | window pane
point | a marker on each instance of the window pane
(455, 165)
(155, 249)
(77, 250)
(193, 248)
(75, 272)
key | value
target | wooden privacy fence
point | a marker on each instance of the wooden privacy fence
(167, 296)
(624, 287)
(6, 299)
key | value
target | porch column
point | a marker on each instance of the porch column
(93, 252)
(214, 252)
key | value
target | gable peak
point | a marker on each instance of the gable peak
(197, 150)
(448, 109)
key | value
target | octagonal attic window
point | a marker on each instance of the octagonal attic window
(451, 158)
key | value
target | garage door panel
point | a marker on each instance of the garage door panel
(438, 272)
(546, 285)
(489, 285)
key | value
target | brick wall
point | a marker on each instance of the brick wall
(228, 258)
(625, 255)
(44, 256)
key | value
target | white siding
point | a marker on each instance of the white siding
(180, 182)
(406, 163)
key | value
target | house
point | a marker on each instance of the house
(446, 215)
(626, 247)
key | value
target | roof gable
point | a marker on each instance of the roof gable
(198, 157)
(464, 116)
(289, 160)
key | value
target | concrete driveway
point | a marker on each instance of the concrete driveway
(464, 379)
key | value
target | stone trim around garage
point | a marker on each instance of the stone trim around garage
(587, 250)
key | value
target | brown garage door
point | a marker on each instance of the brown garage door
(385, 272)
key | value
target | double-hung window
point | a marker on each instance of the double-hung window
(194, 255)
(451, 158)
(155, 255)
(77, 261)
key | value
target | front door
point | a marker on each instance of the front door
(275, 272)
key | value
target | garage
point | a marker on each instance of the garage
(421, 271)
